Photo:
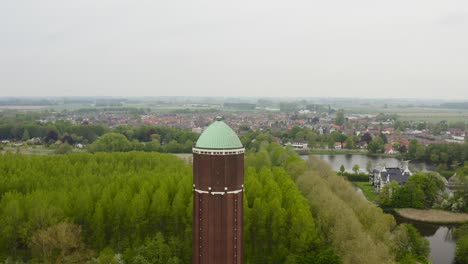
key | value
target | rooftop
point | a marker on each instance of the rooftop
(218, 135)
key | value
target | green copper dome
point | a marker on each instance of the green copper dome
(218, 135)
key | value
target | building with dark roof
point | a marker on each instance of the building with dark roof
(378, 178)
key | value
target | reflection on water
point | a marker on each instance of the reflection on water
(426, 229)
(442, 246)
(348, 161)
(440, 240)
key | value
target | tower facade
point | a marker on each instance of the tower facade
(218, 188)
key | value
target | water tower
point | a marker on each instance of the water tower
(218, 184)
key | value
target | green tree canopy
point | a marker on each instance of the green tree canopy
(340, 118)
(26, 135)
(376, 145)
(356, 168)
(111, 142)
(420, 191)
(342, 168)
(408, 244)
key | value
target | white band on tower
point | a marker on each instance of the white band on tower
(218, 151)
(219, 193)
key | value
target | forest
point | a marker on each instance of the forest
(141, 138)
(446, 155)
(136, 207)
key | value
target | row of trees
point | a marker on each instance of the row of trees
(297, 134)
(451, 155)
(148, 138)
(461, 238)
(115, 142)
(375, 145)
(137, 207)
(358, 230)
(52, 131)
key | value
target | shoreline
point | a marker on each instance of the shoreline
(349, 152)
(432, 216)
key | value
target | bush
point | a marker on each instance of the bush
(409, 246)
(63, 148)
(422, 190)
(361, 177)
(461, 236)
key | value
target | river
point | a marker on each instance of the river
(348, 161)
(440, 236)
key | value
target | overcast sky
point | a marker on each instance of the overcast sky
(336, 48)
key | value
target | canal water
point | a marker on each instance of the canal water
(348, 161)
(440, 237)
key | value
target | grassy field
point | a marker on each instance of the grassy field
(423, 114)
(68, 107)
(367, 190)
(434, 118)
(433, 216)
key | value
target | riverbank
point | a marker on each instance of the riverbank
(432, 216)
(337, 152)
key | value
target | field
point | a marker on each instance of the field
(22, 107)
(422, 114)
(433, 216)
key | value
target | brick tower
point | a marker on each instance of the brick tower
(218, 184)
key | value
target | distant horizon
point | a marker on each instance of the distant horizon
(276, 98)
(246, 98)
(427, 96)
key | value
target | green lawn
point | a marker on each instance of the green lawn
(367, 189)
